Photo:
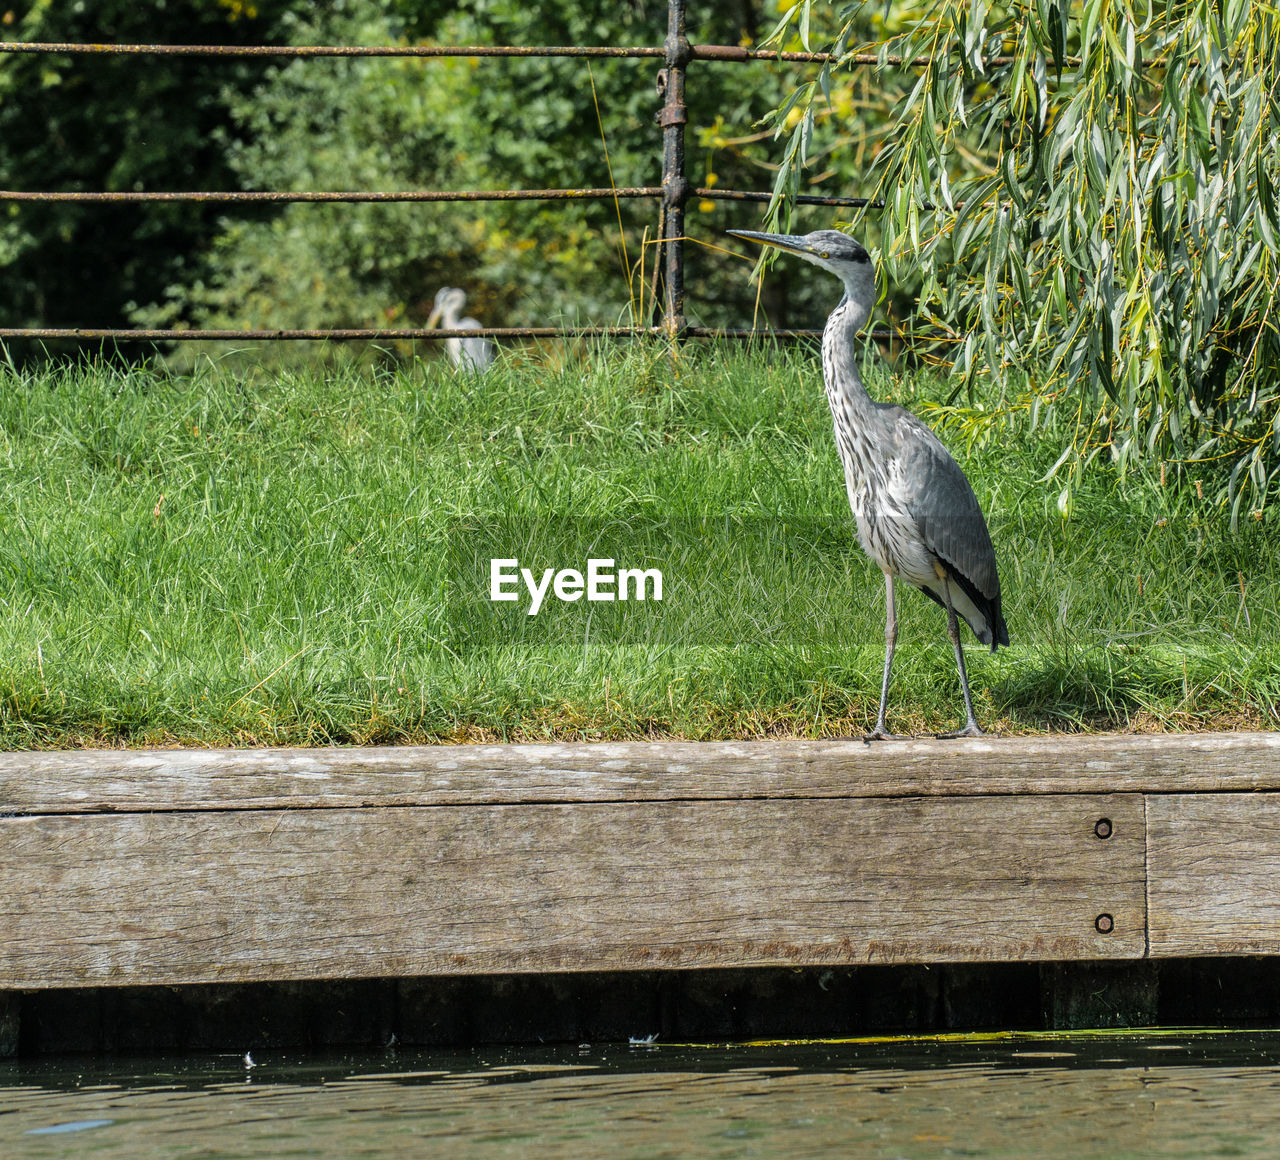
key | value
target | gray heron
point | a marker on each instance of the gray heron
(917, 516)
(466, 354)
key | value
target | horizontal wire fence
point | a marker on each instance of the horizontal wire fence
(672, 194)
(725, 52)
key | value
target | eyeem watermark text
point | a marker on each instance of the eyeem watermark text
(600, 582)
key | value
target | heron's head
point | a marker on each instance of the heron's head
(834, 251)
(448, 304)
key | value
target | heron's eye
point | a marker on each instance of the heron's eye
(824, 254)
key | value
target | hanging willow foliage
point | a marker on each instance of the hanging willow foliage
(1118, 253)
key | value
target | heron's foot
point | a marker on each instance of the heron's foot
(882, 735)
(970, 730)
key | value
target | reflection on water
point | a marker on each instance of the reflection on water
(1113, 1095)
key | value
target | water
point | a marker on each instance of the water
(1106, 1095)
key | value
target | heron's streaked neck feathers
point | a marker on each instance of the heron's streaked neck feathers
(839, 361)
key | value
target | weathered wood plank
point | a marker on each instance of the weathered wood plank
(97, 781)
(1214, 871)
(341, 893)
(10, 1022)
(1100, 994)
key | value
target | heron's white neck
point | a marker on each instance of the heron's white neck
(839, 363)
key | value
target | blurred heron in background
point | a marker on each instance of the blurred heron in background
(466, 354)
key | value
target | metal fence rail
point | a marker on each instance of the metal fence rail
(601, 194)
(635, 52)
(174, 334)
(727, 52)
(673, 193)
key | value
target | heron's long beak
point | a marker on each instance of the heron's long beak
(792, 243)
(433, 318)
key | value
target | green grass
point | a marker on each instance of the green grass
(225, 558)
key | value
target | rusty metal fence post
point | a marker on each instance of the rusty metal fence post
(675, 185)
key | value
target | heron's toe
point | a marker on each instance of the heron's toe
(970, 730)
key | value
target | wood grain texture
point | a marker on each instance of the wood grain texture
(262, 895)
(100, 781)
(1214, 867)
(10, 1023)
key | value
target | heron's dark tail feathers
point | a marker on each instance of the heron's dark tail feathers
(992, 630)
(999, 630)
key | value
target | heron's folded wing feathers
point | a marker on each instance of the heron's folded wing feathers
(945, 509)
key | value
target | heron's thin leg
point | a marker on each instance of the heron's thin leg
(890, 643)
(971, 728)
(879, 733)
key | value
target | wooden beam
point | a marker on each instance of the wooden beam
(10, 1023)
(186, 897)
(130, 780)
(145, 867)
(1214, 874)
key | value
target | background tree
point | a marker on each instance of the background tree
(1116, 253)
(491, 124)
(114, 123)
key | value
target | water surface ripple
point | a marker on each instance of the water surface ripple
(1115, 1096)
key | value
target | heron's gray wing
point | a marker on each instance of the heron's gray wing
(942, 502)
